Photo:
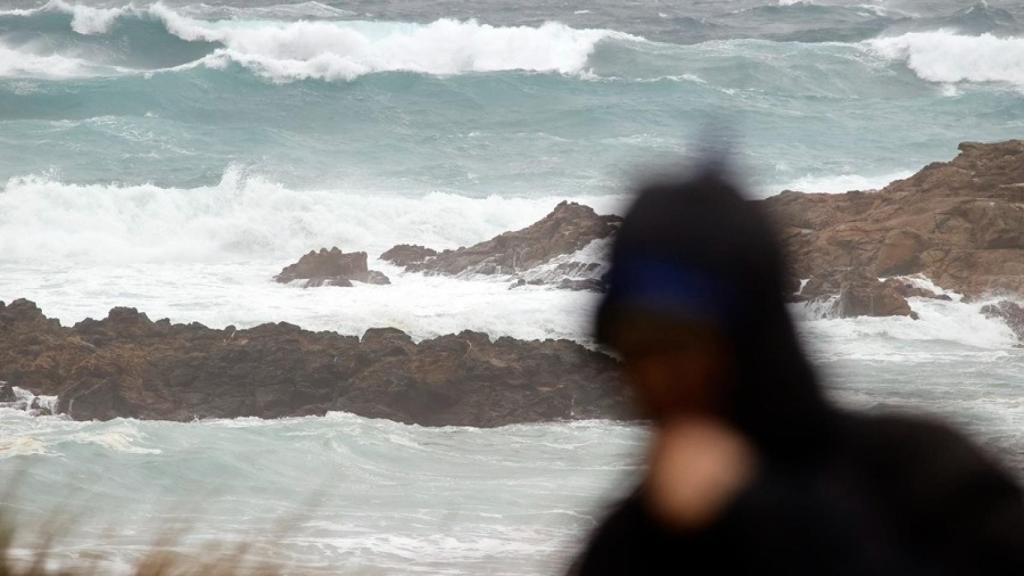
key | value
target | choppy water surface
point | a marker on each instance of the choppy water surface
(173, 156)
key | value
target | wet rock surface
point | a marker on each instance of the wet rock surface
(127, 365)
(331, 268)
(538, 254)
(959, 223)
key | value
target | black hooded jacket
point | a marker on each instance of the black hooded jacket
(836, 493)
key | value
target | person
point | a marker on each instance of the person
(750, 469)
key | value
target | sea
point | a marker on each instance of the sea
(173, 156)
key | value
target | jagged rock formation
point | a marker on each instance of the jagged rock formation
(408, 254)
(521, 254)
(959, 223)
(127, 365)
(331, 268)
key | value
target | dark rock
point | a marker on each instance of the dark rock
(331, 268)
(7, 393)
(909, 290)
(861, 294)
(39, 408)
(129, 366)
(1009, 312)
(566, 230)
(407, 254)
(591, 284)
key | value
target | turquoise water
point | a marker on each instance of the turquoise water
(174, 156)
(172, 97)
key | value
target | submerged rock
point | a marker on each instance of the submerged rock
(331, 268)
(127, 365)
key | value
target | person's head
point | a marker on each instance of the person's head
(695, 307)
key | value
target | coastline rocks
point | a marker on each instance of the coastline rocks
(408, 254)
(524, 253)
(127, 365)
(331, 268)
(1009, 312)
(960, 223)
(861, 294)
(855, 293)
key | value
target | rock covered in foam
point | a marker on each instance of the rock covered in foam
(523, 254)
(127, 365)
(1009, 312)
(331, 268)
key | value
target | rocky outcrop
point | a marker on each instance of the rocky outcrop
(127, 365)
(331, 268)
(538, 254)
(856, 292)
(408, 254)
(861, 294)
(960, 223)
(1009, 312)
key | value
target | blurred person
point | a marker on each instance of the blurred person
(750, 469)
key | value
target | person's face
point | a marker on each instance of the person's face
(675, 372)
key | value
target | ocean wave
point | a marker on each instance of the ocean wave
(332, 51)
(244, 215)
(949, 57)
(284, 50)
(15, 63)
(839, 183)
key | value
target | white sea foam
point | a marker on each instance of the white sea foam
(123, 437)
(23, 64)
(85, 19)
(835, 184)
(948, 57)
(284, 50)
(346, 50)
(243, 216)
(944, 330)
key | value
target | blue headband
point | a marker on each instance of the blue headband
(659, 286)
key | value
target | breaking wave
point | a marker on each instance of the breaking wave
(948, 57)
(292, 50)
(242, 216)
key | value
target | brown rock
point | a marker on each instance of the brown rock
(864, 295)
(567, 229)
(960, 223)
(129, 366)
(909, 290)
(408, 254)
(899, 253)
(331, 268)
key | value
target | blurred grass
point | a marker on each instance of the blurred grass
(36, 552)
